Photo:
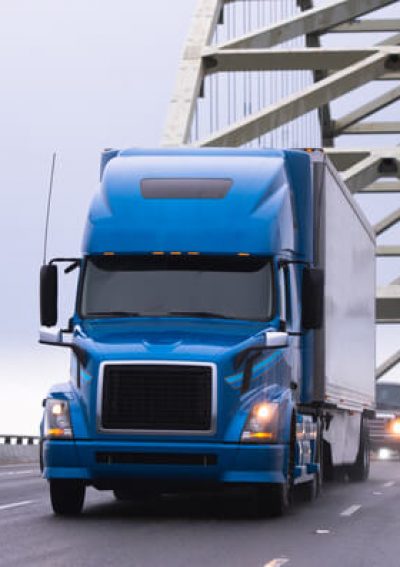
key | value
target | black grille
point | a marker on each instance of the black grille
(204, 460)
(377, 427)
(157, 397)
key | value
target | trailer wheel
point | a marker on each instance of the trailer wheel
(67, 496)
(359, 472)
(328, 472)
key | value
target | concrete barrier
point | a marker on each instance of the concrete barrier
(19, 449)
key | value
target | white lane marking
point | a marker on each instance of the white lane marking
(377, 493)
(350, 510)
(322, 531)
(15, 504)
(277, 562)
(16, 466)
(388, 484)
(14, 473)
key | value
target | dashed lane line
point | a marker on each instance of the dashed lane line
(277, 562)
(15, 504)
(389, 484)
(350, 510)
(18, 473)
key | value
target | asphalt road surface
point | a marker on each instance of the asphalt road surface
(349, 525)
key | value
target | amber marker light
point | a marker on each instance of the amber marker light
(260, 435)
(55, 432)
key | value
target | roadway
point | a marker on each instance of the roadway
(351, 525)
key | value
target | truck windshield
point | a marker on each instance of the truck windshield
(388, 396)
(232, 287)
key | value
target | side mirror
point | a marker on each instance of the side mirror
(312, 298)
(276, 339)
(48, 295)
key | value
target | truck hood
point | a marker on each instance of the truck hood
(156, 337)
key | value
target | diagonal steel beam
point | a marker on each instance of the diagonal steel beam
(363, 173)
(190, 74)
(316, 20)
(374, 128)
(221, 61)
(369, 26)
(388, 365)
(387, 222)
(366, 110)
(392, 40)
(302, 102)
(388, 251)
(383, 187)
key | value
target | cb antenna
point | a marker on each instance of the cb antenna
(53, 165)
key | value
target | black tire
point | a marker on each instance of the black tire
(67, 496)
(275, 499)
(308, 491)
(328, 472)
(41, 462)
(359, 472)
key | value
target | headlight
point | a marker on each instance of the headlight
(262, 424)
(57, 423)
(395, 427)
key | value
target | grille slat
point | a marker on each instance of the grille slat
(157, 397)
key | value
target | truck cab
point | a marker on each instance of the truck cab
(194, 335)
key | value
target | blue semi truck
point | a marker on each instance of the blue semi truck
(223, 332)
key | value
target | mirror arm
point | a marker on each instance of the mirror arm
(241, 356)
(79, 352)
(60, 260)
(248, 370)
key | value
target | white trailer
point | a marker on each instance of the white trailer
(344, 364)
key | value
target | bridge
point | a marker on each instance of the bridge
(255, 73)
(258, 73)
(261, 73)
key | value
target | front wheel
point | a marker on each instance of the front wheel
(67, 496)
(275, 499)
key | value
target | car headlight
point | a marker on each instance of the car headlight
(57, 422)
(262, 424)
(395, 427)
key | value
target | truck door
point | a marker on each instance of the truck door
(290, 317)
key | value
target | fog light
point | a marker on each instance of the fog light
(384, 453)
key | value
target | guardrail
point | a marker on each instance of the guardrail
(19, 448)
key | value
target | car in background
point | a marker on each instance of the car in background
(385, 428)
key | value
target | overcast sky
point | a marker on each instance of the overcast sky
(76, 76)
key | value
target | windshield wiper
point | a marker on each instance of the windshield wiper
(114, 314)
(205, 314)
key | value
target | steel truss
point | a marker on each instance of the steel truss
(237, 60)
